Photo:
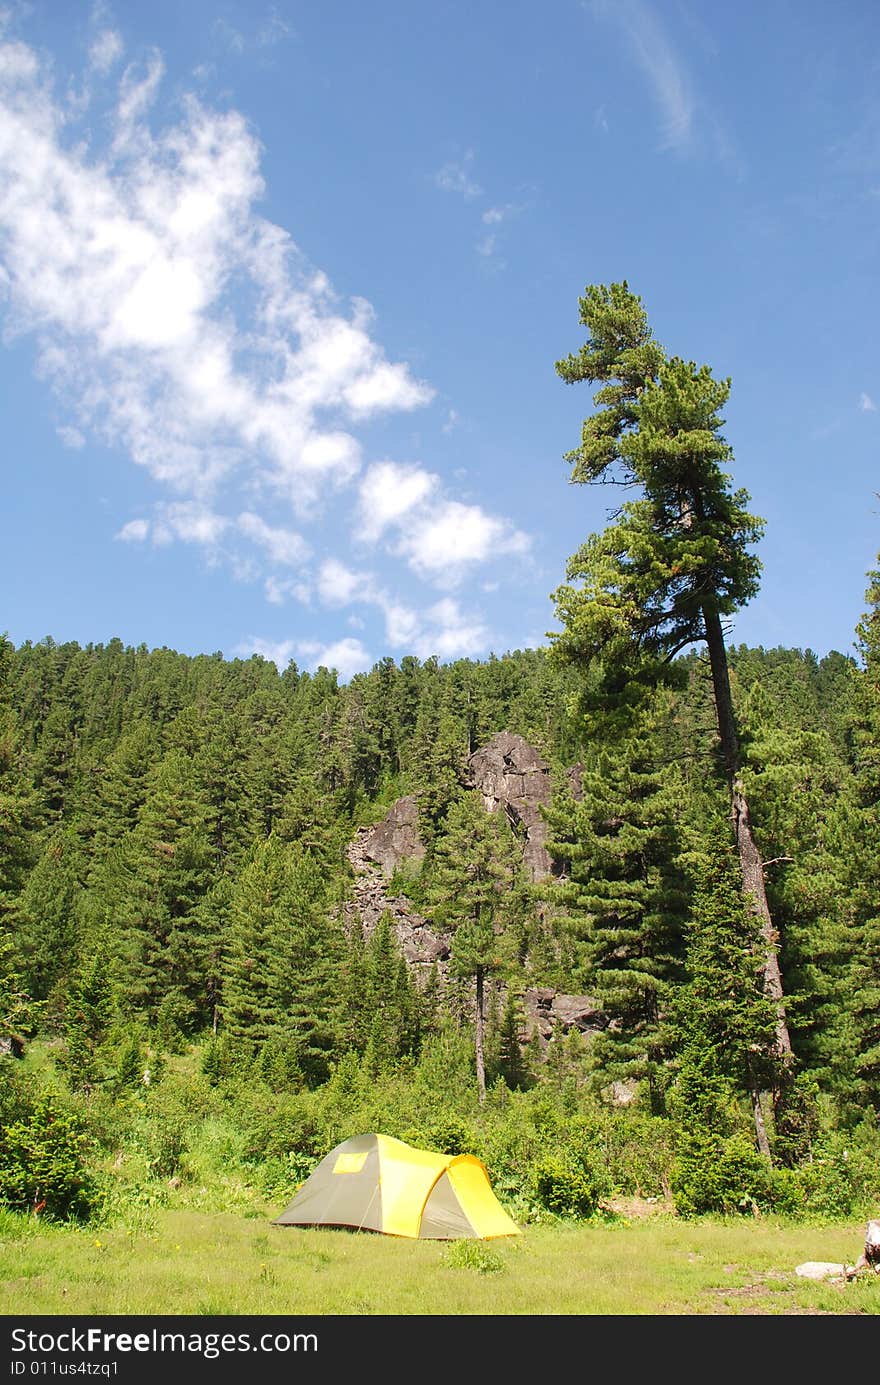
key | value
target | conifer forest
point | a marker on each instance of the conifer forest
(248, 912)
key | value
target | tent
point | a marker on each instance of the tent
(376, 1183)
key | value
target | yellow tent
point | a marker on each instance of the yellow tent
(376, 1183)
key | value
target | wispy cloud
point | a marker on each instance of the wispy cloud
(264, 32)
(189, 521)
(656, 55)
(347, 656)
(189, 334)
(71, 437)
(284, 546)
(135, 531)
(456, 176)
(866, 404)
(129, 292)
(106, 50)
(278, 652)
(442, 628)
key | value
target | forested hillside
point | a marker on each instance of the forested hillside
(178, 955)
(621, 931)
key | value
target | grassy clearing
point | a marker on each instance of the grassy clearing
(194, 1262)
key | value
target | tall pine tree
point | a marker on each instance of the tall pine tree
(677, 560)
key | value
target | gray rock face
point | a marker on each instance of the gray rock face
(396, 838)
(549, 1013)
(510, 774)
(374, 854)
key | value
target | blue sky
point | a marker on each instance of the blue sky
(282, 288)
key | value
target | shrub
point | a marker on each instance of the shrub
(711, 1174)
(44, 1157)
(447, 1133)
(570, 1184)
(836, 1182)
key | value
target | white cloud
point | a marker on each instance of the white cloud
(441, 544)
(71, 437)
(388, 492)
(455, 176)
(278, 590)
(866, 404)
(135, 531)
(441, 629)
(439, 538)
(278, 652)
(106, 50)
(348, 656)
(283, 545)
(402, 624)
(190, 335)
(337, 585)
(272, 30)
(131, 267)
(189, 521)
(450, 633)
(493, 215)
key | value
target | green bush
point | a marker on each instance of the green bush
(447, 1133)
(569, 1184)
(44, 1162)
(838, 1180)
(711, 1174)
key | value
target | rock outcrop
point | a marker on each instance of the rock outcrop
(550, 1013)
(374, 853)
(511, 775)
(396, 838)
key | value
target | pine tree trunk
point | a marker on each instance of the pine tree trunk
(480, 1022)
(758, 1113)
(751, 864)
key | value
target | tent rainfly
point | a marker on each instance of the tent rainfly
(376, 1183)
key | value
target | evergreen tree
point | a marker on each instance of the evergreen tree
(282, 965)
(122, 789)
(678, 560)
(858, 993)
(88, 1016)
(623, 897)
(511, 1063)
(722, 1020)
(381, 1003)
(46, 929)
(440, 750)
(168, 862)
(18, 807)
(478, 888)
(18, 1011)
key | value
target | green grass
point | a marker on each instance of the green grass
(195, 1262)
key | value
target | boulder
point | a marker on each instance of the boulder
(823, 1269)
(550, 1013)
